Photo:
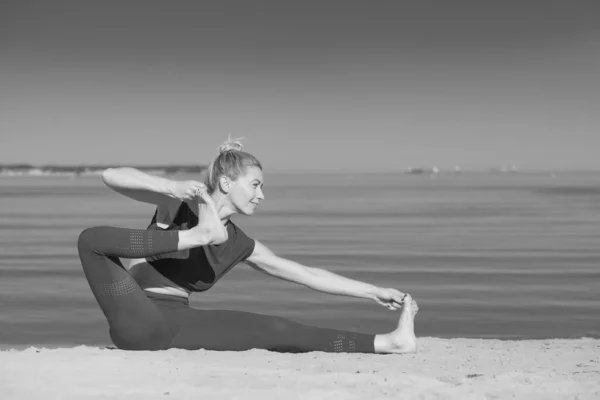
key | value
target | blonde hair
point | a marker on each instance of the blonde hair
(231, 161)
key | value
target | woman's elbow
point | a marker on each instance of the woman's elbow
(108, 176)
(112, 177)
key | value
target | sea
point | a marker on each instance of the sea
(497, 255)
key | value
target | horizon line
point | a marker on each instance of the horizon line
(200, 167)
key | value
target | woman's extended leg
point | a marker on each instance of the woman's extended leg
(236, 330)
(135, 322)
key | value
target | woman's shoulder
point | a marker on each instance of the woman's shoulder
(240, 238)
(237, 236)
(236, 229)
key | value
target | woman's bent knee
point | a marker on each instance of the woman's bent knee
(86, 239)
(140, 341)
(89, 239)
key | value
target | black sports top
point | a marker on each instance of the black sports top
(204, 265)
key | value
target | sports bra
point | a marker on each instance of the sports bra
(204, 265)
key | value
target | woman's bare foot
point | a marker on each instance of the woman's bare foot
(402, 340)
(209, 221)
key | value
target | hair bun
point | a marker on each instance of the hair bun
(231, 145)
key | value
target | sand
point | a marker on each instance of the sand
(443, 369)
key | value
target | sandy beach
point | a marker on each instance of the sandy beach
(442, 369)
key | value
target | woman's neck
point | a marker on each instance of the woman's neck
(223, 205)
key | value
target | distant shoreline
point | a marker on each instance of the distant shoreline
(25, 170)
(77, 170)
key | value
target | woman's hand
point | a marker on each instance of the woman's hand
(187, 190)
(389, 298)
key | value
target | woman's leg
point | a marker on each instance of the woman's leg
(138, 324)
(236, 330)
(135, 322)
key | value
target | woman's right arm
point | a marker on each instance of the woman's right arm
(147, 188)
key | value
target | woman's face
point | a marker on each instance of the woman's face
(246, 192)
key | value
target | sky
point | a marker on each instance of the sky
(311, 85)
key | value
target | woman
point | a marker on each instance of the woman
(190, 244)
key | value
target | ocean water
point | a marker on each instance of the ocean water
(508, 256)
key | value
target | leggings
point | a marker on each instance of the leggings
(139, 320)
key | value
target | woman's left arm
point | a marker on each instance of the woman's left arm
(266, 261)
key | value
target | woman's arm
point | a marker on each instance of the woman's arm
(319, 279)
(148, 188)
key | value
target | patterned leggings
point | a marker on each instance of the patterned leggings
(141, 320)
